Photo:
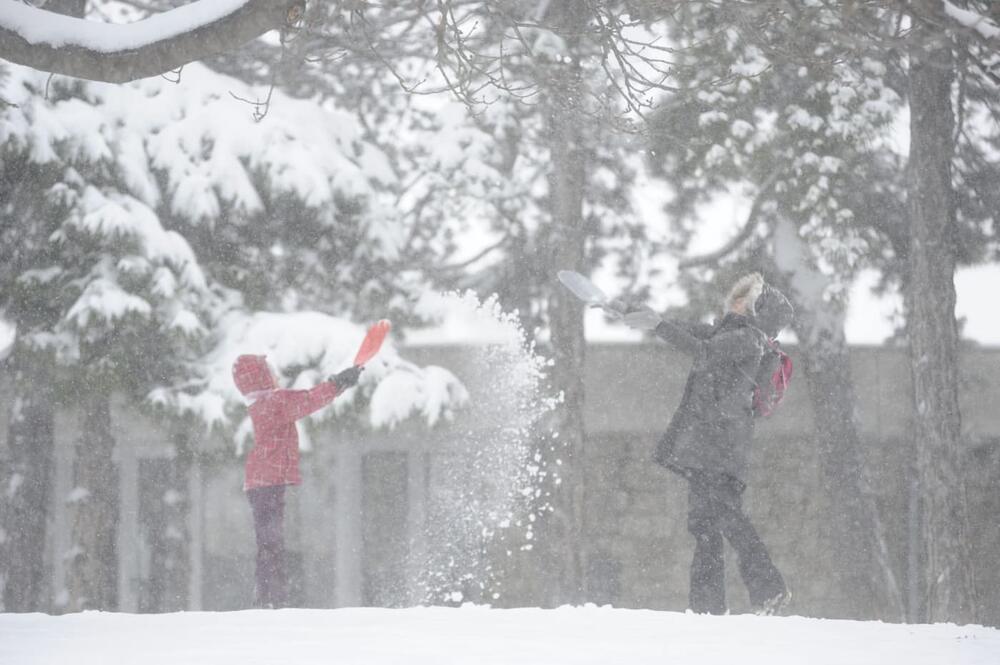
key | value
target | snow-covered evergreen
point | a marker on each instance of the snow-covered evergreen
(306, 348)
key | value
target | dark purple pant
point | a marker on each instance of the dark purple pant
(268, 506)
(715, 511)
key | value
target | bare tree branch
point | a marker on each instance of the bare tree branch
(161, 43)
(739, 238)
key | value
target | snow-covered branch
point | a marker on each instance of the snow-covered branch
(745, 232)
(306, 348)
(117, 53)
(981, 24)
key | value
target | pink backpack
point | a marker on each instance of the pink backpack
(767, 396)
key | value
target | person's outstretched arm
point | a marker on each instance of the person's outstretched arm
(694, 340)
(292, 405)
(680, 337)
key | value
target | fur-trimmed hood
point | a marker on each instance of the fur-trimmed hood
(768, 308)
(748, 288)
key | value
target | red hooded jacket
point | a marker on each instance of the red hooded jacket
(274, 459)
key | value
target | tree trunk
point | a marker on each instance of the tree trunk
(169, 533)
(948, 583)
(857, 534)
(92, 571)
(567, 243)
(27, 487)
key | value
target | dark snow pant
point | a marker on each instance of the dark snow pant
(268, 506)
(715, 511)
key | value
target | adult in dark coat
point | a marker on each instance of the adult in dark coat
(709, 438)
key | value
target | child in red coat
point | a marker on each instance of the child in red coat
(274, 461)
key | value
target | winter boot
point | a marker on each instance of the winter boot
(775, 604)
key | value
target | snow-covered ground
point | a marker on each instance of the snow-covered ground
(480, 636)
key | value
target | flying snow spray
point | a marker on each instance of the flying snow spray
(486, 484)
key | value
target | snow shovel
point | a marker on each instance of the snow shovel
(372, 342)
(586, 291)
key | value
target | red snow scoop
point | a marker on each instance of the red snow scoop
(372, 342)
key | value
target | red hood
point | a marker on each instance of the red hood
(252, 374)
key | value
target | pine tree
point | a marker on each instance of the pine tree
(947, 205)
(295, 217)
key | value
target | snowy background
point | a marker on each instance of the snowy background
(183, 182)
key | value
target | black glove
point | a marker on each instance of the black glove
(643, 319)
(347, 378)
(626, 305)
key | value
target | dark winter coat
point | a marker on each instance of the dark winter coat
(712, 429)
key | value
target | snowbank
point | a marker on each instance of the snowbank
(481, 636)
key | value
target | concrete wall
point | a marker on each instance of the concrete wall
(362, 509)
(637, 511)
